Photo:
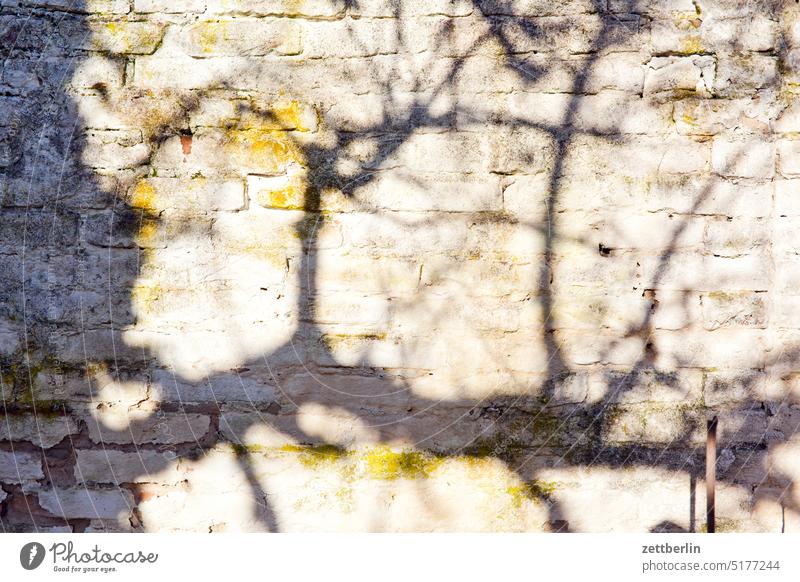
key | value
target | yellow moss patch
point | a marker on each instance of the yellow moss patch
(691, 45)
(314, 456)
(145, 293)
(147, 233)
(291, 197)
(143, 196)
(267, 150)
(341, 340)
(126, 37)
(687, 19)
(210, 34)
(290, 115)
(534, 491)
(386, 464)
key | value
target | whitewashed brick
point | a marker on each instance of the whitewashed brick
(745, 159)
(788, 163)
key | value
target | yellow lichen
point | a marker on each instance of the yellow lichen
(316, 455)
(334, 340)
(147, 233)
(291, 197)
(125, 37)
(210, 34)
(143, 196)
(290, 115)
(387, 464)
(267, 150)
(144, 294)
(260, 250)
(691, 45)
(533, 491)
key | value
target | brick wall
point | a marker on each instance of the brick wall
(398, 265)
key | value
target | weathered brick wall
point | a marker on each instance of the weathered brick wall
(398, 265)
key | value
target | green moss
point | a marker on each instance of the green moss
(239, 450)
(482, 449)
(549, 425)
(23, 377)
(41, 408)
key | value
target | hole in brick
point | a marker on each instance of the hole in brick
(186, 143)
(604, 250)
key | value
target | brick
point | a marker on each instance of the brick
(186, 196)
(636, 158)
(725, 348)
(608, 112)
(95, 6)
(121, 37)
(733, 386)
(787, 197)
(87, 503)
(239, 37)
(743, 75)
(43, 429)
(117, 467)
(10, 338)
(253, 387)
(789, 119)
(671, 425)
(688, 33)
(745, 159)
(112, 425)
(668, 77)
(419, 203)
(736, 237)
(96, 345)
(169, 6)
(707, 195)
(19, 467)
(115, 150)
(313, 8)
(28, 230)
(323, 39)
(716, 116)
(742, 309)
(787, 311)
(788, 152)
(387, 8)
(395, 190)
(646, 386)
